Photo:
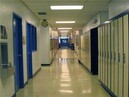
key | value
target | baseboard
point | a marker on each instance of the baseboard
(108, 90)
(37, 71)
(45, 64)
(76, 52)
(84, 66)
(14, 95)
(51, 61)
(79, 61)
(25, 83)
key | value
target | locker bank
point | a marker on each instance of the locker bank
(59, 48)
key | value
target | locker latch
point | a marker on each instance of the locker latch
(111, 55)
(107, 54)
(114, 56)
(118, 57)
(123, 58)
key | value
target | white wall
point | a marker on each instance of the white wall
(100, 18)
(94, 22)
(6, 9)
(44, 43)
(117, 6)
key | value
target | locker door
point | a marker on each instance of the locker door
(126, 46)
(105, 54)
(112, 56)
(103, 67)
(116, 56)
(109, 63)
(81, 50)
(120, 56)
(99, 64)
(79, 47)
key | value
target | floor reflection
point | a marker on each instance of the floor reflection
(64, 78)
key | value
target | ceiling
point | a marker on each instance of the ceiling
(90, 9)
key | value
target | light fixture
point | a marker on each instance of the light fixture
(65, 28)
(66, 91)
(66, 7)
(106, 22)
(65, 21)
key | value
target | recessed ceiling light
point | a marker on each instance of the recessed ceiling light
(64, 28)
(65, 21)
(66, 7)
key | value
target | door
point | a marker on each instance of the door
(94, 50)
(29, 50)
(18, 53)
(64, 42)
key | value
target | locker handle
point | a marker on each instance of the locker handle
(111, 55)
(105, 54)
(118, 57)
(123, 58)
(114, 56)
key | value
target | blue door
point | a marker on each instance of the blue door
(29, 50)
(64, 42)
(18, 52)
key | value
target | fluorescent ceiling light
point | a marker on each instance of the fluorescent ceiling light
(66, 91)
(67, 7)
(107, 22)
(64, 28)
(65, 21)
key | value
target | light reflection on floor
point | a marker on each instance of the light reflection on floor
(64, 78)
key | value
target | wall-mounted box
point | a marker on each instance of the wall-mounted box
(6, 69)
(3, 33)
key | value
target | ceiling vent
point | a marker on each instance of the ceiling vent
(42, 13)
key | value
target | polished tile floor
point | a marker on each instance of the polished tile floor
(64, 78)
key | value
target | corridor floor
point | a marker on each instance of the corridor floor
(64, 78)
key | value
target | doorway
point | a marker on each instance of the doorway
(18, 52)
(64, 42)
(29, 50)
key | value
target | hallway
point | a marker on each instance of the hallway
(64, 78)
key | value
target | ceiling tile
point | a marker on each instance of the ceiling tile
(90, 9)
